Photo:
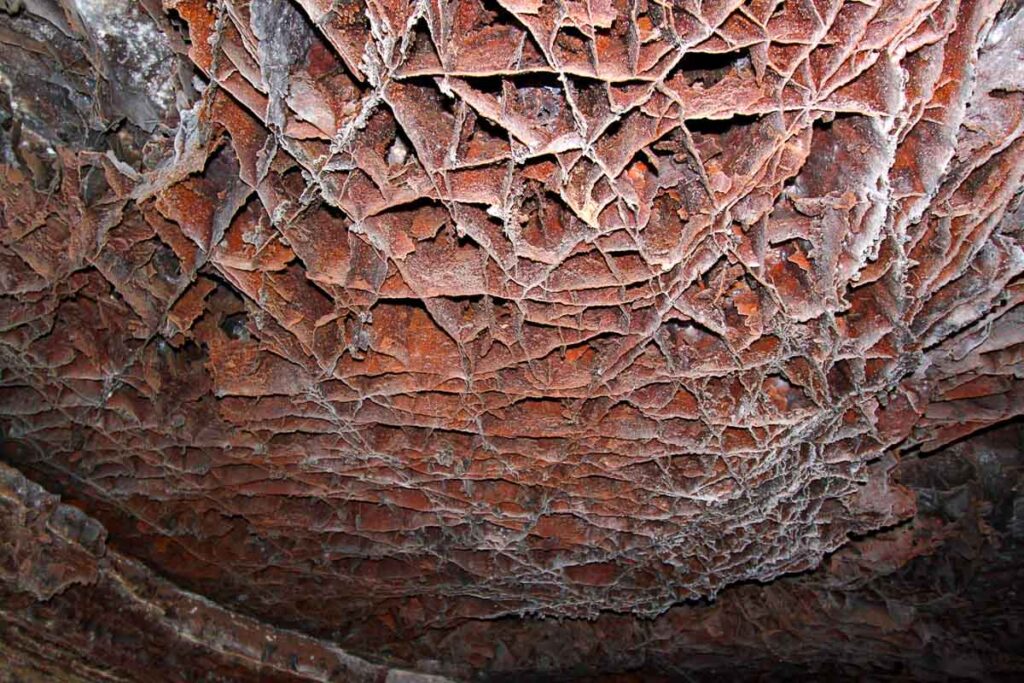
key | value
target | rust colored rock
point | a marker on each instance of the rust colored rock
(373, 318)
(75, 611)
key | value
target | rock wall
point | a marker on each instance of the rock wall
(377, 319)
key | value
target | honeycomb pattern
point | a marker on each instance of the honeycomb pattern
(472, 309)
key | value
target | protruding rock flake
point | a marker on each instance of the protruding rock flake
(387, 321)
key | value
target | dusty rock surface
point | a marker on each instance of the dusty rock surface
(449, 333)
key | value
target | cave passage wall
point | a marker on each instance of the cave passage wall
(398, 323)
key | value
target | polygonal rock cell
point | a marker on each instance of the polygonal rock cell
(521, 307)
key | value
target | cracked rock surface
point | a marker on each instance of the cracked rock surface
(385, 320)
(72, 610)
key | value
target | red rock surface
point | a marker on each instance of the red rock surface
(73, 610)
(383, 320)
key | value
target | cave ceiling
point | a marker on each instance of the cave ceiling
(431, 337)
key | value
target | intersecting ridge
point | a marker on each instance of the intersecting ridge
(475, 309)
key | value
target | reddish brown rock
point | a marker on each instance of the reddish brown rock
(73, 610)
(376, 320)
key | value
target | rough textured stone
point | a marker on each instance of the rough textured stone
(925, 601)
(378, 319)
(73, 610)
